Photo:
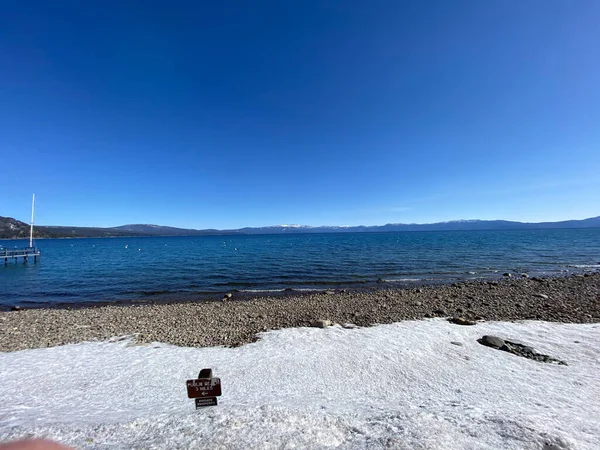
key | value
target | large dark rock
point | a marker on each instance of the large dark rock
(517, 349)
(321, 323)
(491, 341)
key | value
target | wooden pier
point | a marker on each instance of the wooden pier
(24, 253)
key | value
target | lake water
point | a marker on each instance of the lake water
(125, 269)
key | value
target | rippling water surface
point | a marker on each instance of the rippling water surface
(111, 269)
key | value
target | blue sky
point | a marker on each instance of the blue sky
(230, 114)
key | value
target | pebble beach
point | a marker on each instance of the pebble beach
(234, 322)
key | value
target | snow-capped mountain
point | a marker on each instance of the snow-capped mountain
(11, 228)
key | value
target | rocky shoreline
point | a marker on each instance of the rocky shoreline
(234, 322)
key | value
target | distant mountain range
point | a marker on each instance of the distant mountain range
(12, 229)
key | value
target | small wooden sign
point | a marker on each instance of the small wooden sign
(210, 401)
(205, 389)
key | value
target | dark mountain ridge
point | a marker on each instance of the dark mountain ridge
(14, 229)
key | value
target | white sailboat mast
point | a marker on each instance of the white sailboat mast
(31, 230)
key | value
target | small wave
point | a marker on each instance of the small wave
(321, 283)
(153, 292)
(585, 266)
(254, 291)
(401, 280)
(235, 283)
(51, 294)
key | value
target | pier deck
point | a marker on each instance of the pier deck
(15, 254)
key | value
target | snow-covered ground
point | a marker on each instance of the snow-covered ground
(391, 386)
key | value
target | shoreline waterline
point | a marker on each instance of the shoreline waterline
(167, 297)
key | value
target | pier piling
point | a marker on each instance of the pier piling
(24, 253)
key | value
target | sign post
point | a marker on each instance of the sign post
(205, 389)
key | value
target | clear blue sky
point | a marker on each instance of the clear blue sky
(229, 114)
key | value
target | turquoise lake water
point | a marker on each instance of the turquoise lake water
(125, 269)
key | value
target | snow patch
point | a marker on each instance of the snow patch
(291, 226)
(402, 385)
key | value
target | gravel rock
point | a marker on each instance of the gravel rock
(321, 323)
(240, 320)
(544, 296)
(461, 321)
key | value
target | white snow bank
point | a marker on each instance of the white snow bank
(391, 386)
